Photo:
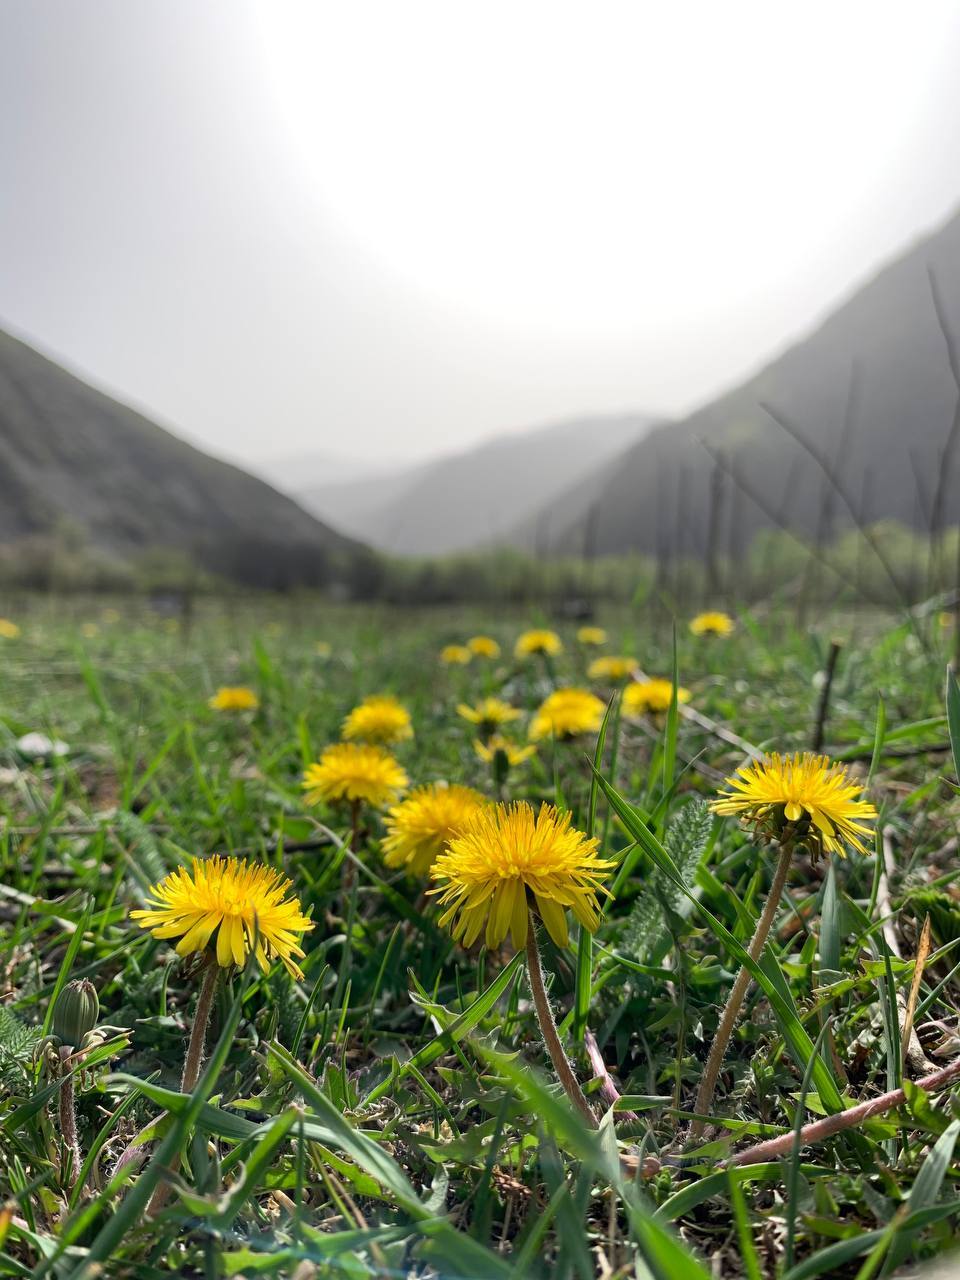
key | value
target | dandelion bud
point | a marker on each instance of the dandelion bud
(76, 1011)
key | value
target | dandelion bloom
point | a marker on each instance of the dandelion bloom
(419, 828)
(234, 698)
(323, 649)
(592, 635)
(531, 642)
(351, 771)
(489, 713)
(455, 655)
(711, 624)
(651, 695)
(615, 669)
(483, 647)
(506, 852)
(89, 630)
(515, 754)
(248, 906)
(565, 713)
(817, 798)
(379, 718)
(8, 630)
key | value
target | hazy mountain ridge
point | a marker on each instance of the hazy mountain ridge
(70, 453)
(480, 496)
(878, 363)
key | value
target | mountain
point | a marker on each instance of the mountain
(298, 471)
(476, 497)
(870, 392)
(71, 455)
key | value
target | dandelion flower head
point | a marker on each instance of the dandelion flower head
(538, 641)
(488, 714)
(455, 655)
(247, 906)
(8, 630)
(816, 798)
(379, 718)
(483, 647)
(612, 668)
(592, 635)
(711, 623)
(651, 695)
(234, 698)
(565, 713)
(419, 828)
(355, 772)
(513, 752)
(507, 859)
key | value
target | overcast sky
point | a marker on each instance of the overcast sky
(394, 228)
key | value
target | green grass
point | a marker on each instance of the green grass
(395, 1112)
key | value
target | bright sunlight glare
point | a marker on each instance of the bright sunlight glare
(577, 167)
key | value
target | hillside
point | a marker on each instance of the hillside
(476, 497)
(71, 455)
(878, 362)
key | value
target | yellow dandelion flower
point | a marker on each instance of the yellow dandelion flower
(379, 718)
(419, 828)
(483, 647)
(515, 754)
(355, 772)
(614, 669)
(89, 630)
(488, 714)
(505, 853)
(538, 641)
(234, 698)
(712, 623)
(247, 906)
(323, 648)
(110, 616)
(817, 798)
(565, 713)
(592, 635)
(651, 695)
(455, 655)
(8, 630)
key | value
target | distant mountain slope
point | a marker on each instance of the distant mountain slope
(882, 352)
(69, 453)
(477, 497)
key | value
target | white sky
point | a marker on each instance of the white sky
(397, 227)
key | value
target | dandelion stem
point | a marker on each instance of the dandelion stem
(68, 1119)
(198, 1035)
(731, 1010)
(191, 1063)
(548, 1029)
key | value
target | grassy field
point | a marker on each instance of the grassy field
(395, 1111)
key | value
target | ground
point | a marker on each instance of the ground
(395, 1112)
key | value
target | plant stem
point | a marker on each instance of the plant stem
(548, 1029)
(198, 1035)
(68, 1120)
(191, 1063)
(731, 1010)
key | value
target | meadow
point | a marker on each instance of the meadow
(395, 1110)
